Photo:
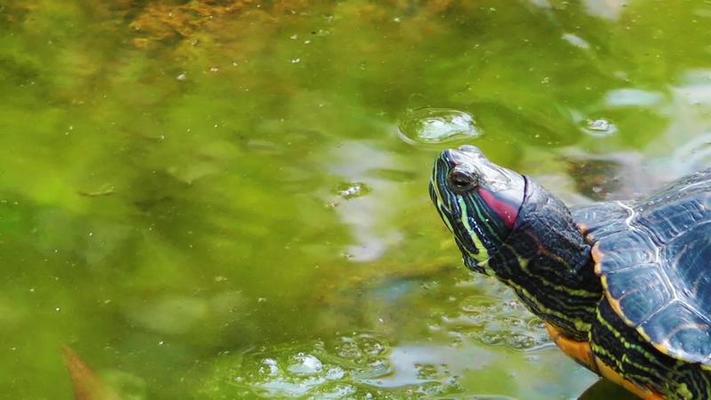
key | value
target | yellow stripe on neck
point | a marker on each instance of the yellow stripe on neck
(483, 255)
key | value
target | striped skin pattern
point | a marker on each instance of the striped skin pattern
(632, 356)
(545, 256)
(547, 263)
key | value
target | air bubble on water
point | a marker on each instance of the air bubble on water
(358, 365)
(305, 365)
(269, 366)
(437, 125)
(375, 348)
(494, 323)
(379, 368)
(351, 190)
(340, 391)
(335, 373)
(599, 127)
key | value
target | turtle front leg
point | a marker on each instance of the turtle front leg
(578, 351)
(583, 354)
(622, 356)
(612, 375)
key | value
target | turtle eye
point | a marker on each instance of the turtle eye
(462, 181)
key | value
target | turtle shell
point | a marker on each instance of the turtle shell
(654, 260)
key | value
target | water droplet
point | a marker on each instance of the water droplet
(599, 127)
(437, 125)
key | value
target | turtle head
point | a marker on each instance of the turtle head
(507, 225)
(478, 201)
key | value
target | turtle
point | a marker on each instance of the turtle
(623, 287)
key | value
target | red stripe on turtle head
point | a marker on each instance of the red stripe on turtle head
(503, 208)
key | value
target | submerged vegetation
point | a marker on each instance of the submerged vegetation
(211, 199)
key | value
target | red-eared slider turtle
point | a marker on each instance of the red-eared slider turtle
(624, 287)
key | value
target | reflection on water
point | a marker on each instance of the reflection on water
(208, 199)
(367, 217)
(627, 97)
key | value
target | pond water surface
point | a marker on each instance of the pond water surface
(228, 199)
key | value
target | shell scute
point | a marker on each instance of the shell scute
(681, 332)
(657, 270)
(690, 256)
(627, 249)
(672, 220)
(642, 293)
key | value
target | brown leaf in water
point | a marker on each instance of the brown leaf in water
(87, 384)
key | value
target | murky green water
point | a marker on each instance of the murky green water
(212, 199)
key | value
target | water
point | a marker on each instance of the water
(212, 200)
